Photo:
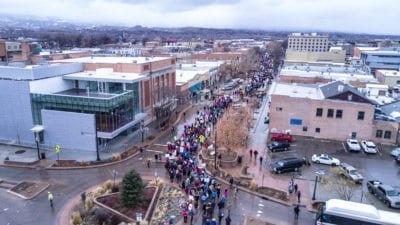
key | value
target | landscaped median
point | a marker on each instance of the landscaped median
(28, 190)
(117, 203)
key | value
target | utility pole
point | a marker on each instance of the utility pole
(215, 149)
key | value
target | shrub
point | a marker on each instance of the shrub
(108, 185)
(116, 157)
(76, 218)
(84, 163)
(98, 191)
(89, 203)
(253, 185)
(132, 189)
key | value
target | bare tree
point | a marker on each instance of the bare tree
(338, 184)
(249, 62)
(276, 51)
(232, 128)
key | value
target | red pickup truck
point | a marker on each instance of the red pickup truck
(281, 137)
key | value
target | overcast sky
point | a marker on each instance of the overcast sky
(369, 16)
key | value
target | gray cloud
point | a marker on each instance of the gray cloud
(370, 16)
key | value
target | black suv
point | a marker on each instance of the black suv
(287, 165)
(278, 146)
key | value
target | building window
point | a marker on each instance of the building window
(317, 130)
(379, 133)
(319, 112)
(339, 113)
(278, 108)
(388, 134)
(360, 115)
(305, 129)
(330, 113)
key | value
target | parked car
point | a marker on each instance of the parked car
(397, 159)
(277, 146)
(231, 85)
(386, 193)
(369, 147)
(351, 173)
(281, 137)
(395, 152)
(287, 165)
(325, 159)
(353, 145)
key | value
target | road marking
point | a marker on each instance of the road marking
(259, 212)
(293, 145)
(261, 205)
(160, 145)
(379, 152)
(344, 147)
(326, 141)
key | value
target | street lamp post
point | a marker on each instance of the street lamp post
(215, 149)
(142, 129)
(114, 172)
(37, 144)
(315, 187)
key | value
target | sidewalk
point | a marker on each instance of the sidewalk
(260, 173)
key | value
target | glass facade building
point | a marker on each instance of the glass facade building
(114, 104)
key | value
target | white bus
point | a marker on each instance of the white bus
(340, 212)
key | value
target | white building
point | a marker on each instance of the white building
(308, 42)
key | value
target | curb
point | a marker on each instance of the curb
(121, 214)
(33, 196)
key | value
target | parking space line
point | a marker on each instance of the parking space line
(379, 151)
(344, 147)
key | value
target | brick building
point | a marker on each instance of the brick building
(330, 111)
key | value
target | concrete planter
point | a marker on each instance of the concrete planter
(125, 217)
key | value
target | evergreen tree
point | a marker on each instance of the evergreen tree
(132, 189)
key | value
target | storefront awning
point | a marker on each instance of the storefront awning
(196, 87)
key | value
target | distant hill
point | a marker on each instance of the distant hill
(12, 27)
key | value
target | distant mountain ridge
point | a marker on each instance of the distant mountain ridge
(17, 26)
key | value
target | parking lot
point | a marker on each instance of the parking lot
(380, 166)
